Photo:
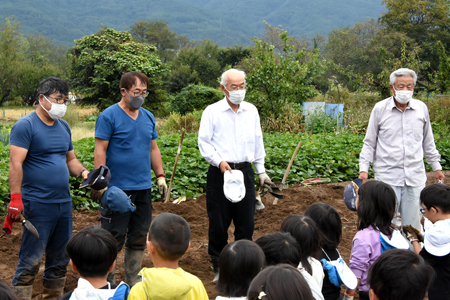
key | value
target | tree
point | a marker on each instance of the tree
(424, 21)
(232, 56)
(272, 36)
(98, 61)
(201, 60)
(276, 80)
(158, 33)
(357, 55)
(22, 65)
(13, 46)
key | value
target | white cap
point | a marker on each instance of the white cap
(397, 240)
(233, 185)
(437, 238)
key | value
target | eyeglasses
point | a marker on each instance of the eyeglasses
(422, 210)
(138, 93)
(235, 88)
(60, 100)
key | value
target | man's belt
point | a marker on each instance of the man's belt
(238, 166)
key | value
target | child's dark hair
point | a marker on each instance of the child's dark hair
(436, 195)
(239, 263)
(328, 221)
(6, 293)
(52, 85)
(400, 275)
(170, 234)
(376, 206)
(279, 282)
(280, 248)
(93, 250)
(305, 231)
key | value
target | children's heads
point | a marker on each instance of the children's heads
(328, 221)
(93, 251)
(279, 282)
(375, 206)
(435, 199)
(305, 231)
(280, 248)
(239, 262)
(170, 234)
(399, 275)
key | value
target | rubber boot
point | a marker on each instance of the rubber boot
(132, 264)
(53, 288)
(23, 292)
(215, 262)
(112, 275)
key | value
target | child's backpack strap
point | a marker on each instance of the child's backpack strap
(121, 292)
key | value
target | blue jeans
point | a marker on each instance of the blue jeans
(53, 222)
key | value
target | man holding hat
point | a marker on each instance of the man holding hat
(230, 138)
(125, 141)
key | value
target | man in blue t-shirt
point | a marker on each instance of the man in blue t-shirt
(125, 141)
(41, 161)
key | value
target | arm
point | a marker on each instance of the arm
(429, 149)
(155, 158)
(349, 294)
(366, 157)
(17, 157)
(76, 168)
(100, 152)
(205, 134)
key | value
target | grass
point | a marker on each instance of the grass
(75, 116)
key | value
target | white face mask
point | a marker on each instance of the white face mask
(57, 111)
(403, 97)
(236, 97)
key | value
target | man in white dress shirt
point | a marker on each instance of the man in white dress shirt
(230, 138)
(398, 136)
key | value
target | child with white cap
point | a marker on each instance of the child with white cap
(435, 200)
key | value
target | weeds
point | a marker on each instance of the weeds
(175, 123)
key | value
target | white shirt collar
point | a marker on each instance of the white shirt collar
(224, 105)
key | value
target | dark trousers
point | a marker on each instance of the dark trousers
(134, 226)
(221, 211)
(53, 222)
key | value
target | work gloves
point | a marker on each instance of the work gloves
(15, 207)
(413, 234)
(96, 195)
(264, 179)
(162, 186)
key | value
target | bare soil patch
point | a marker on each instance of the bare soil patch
(196, 261)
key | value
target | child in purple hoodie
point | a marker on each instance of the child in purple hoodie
(375, 207)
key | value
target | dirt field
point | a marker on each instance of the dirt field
(196, 261)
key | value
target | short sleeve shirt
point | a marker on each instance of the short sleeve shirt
(45, 172)
(128, 153)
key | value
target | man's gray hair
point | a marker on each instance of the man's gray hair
(224, 77)
(403, 72)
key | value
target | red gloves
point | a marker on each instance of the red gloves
(15, 207)
(7, 226)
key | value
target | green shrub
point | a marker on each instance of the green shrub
(319, 122)
(90, 118)
(195, 97)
